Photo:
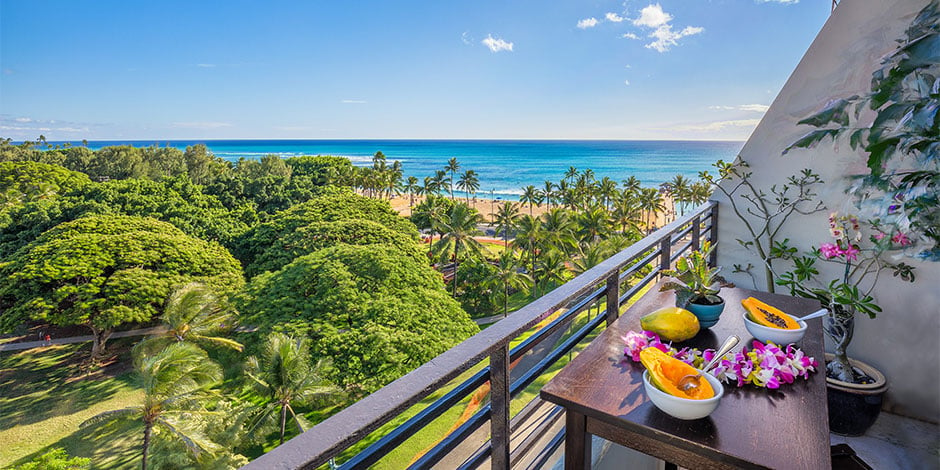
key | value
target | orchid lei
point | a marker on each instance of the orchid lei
(765, 365)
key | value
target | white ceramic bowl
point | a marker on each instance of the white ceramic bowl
(684, 408)
(779, 336)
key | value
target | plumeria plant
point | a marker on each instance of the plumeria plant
(861, 258)
(764, 365)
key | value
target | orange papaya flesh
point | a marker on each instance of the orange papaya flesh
(666, 371)
(767, 315)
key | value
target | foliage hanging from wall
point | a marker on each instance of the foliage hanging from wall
(901, 135)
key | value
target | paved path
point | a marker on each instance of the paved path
(78, 339)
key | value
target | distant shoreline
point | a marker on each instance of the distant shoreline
(484, 207)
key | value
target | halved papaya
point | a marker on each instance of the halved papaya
(769, 316)
(666, 371)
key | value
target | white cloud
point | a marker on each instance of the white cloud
(653, 16)
(785, 2)
(353, 101)
(465, 38)
(626, 82)
(717, 125)
(666, 37)
(23, 119)
(753, 108)
(756, 108)
(587, 23)
(613, 17)
(496, 44)
(205, 66)
(201, 125)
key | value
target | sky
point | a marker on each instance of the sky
(482, 69)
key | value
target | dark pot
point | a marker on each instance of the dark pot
(707, 314)
(853, 408)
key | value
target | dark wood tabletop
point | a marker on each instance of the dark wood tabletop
(753, 427)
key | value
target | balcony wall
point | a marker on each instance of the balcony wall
(839, 63)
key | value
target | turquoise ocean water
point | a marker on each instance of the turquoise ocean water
(503, 166)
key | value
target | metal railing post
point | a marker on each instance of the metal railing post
(665, 248)
(499, 407)
(713, 236)
(696, 233)
(613, 297)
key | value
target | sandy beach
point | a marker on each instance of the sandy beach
(486, 207)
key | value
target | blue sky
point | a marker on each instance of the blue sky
(587, 69)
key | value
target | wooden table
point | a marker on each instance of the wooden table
(602, 393)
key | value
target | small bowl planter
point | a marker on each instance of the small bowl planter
(707, 314)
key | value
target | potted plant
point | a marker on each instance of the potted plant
(855, 388)
(696, 285)
(895, 128)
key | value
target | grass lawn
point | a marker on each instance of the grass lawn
(43, 399)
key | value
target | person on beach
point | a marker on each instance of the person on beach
(48, 339)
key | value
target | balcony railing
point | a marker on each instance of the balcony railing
(611, 283)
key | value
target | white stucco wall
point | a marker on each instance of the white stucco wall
(904, 341)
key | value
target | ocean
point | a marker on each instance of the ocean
(504, 167)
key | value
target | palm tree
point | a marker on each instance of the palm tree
(506, 275)
(193, 313)
(287, 377)
(571, 174)
(411, 188)
(626, 213)
(440, 180)
(549, 193)
(458, 229)
(680, 192)
(552, 268)
(594, 224)
(469, 183)
(529, 238)
(506, 219)
(173, 381)
(651, 201)
(632, 185)
(452, 166)
(699, 193)
(530, 196)
(607, 190)
(558, 229)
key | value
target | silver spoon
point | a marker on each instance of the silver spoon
(816, 314)
(691, 381)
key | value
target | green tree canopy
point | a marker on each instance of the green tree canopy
(334, 206)
(318, 235)
(105, 271)
(177, 201)
(27, 181)
(375, 312)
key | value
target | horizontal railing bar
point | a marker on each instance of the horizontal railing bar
(640, 285)
(680, 251)
(400, 434)
(678, 235)
(537, 337)
(316, 446)
(453, 439)
(643, 262)
(550, 449)
(529, 376)
(544, 424)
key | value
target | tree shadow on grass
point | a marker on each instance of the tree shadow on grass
(110, 445)
(39, 384)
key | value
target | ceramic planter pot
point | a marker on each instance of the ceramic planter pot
(707, 314)
(853, 408)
